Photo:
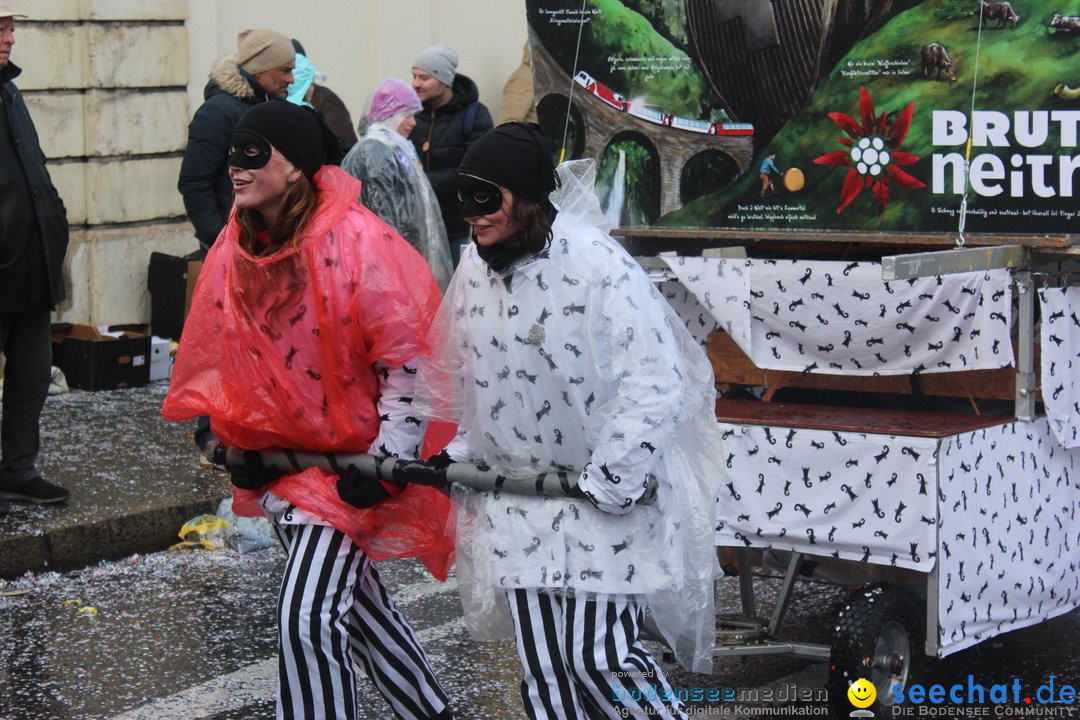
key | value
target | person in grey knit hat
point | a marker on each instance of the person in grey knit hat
(462, 119)
(440, 62)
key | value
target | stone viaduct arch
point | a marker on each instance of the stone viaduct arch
(600, 124)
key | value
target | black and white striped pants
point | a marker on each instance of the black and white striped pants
(333, 610)
(583, 659)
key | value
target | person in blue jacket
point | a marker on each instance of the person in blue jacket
(768, 167)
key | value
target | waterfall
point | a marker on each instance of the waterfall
(617, 198)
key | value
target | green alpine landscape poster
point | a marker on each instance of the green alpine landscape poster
(854, 115)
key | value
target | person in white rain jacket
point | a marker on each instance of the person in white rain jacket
(553, 351)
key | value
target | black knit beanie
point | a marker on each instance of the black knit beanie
(516, 156)
(297, 132)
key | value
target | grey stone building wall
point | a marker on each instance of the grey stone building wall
(106, 83)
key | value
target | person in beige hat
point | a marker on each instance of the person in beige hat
(270, 57)
(260, 71)
(33, 242)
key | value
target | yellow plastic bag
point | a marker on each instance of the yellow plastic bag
(205, 531)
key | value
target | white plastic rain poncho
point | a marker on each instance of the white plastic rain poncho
(396, 189)
(572, 360)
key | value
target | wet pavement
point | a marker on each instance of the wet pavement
(190, 634)
(134, 479)
(107, 638)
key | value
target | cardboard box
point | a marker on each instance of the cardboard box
(160, 362)
(170, 280)
(98, 358)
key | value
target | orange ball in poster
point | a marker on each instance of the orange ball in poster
(794, 180)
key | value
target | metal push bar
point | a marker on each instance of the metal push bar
(401, 472)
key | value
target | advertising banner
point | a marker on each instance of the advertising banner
(854, 115)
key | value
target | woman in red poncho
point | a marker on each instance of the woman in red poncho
(304, 325)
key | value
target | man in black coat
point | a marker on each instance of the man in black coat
(450, 121)
(33, 242)
(261, 71)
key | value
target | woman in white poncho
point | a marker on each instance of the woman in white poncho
(394, 184)
(552, 350)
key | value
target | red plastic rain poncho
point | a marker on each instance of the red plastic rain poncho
(279, 351)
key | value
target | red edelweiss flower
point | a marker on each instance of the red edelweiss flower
(874, 153)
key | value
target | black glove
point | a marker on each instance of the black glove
(438, 463)
(440, 460)
(359, 491)
(253, 474)
(431, 472)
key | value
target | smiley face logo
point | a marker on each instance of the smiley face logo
(862, 693)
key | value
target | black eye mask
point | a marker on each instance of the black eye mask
(248, 150)
(478, 197)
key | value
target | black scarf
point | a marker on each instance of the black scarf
(503, 254)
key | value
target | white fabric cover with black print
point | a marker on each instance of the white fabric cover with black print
(843, 319)
(1009, 532)
(711, 294)
(573, 361)
(996, 510)
(1060, 340)
(853, 496)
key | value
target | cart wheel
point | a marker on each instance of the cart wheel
(878, 637)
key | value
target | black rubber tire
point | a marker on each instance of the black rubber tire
(879, 636)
